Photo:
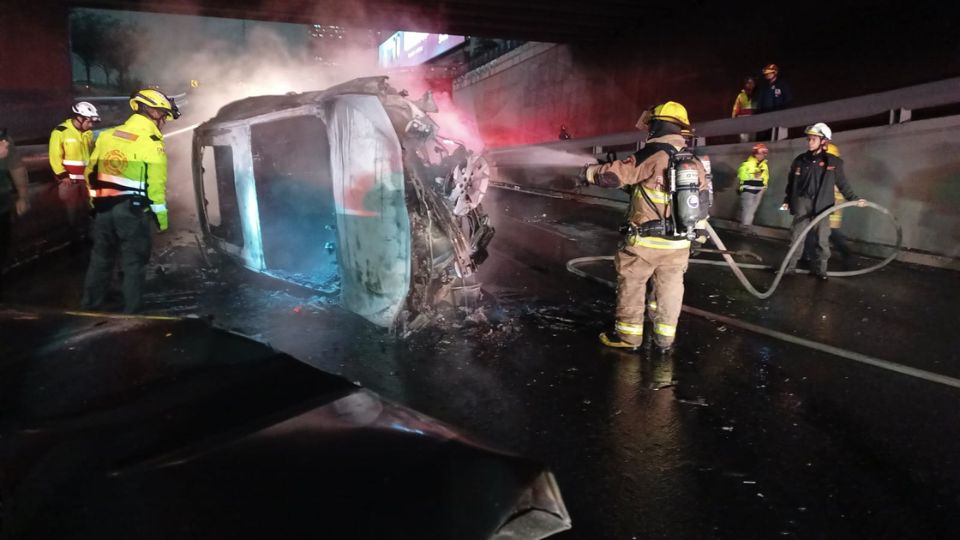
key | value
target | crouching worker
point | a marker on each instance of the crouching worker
(669, 199)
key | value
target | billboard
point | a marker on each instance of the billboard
(412, 48)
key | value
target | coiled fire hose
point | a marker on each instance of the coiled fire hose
(572, 264)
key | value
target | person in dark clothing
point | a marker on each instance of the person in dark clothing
(564, 134)
(776, 95)
(837, 239)
(13, 179)
(810, 190)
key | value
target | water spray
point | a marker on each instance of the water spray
(191, 127)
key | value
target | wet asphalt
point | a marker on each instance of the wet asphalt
(732, 435)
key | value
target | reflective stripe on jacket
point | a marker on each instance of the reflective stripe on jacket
(129, 161)
(743, 105)
(747, 174)
(646, 172)
(836, 218)
(814, 177)
(69, 150)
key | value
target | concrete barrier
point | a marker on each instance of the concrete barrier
(912, 168)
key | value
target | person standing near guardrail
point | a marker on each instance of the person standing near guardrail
(69, 151)
(811, 180)
(13, 177)
(754, 175)
(128, 189)
(836, 221)
(776, 94)
(746, 102)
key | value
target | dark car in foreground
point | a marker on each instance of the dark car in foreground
(154, 427)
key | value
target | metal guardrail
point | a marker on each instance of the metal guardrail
(897, 103)
(177, 97)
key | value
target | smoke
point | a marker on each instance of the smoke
(268, 63)
(455, 123)
(543, 157)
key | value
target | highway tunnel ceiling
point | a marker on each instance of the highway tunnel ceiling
(560, 21)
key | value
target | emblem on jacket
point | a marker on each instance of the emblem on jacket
(114, 162)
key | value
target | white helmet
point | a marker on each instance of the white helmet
(87, 110)
(820, 130)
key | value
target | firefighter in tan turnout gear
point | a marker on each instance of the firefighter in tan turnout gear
(669, 200)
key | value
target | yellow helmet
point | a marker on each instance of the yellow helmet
(672, 112)
(157, 100)
(832, 149)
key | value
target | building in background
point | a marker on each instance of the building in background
(332, 45)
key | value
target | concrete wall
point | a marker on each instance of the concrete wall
(912, 168)
(602, 88)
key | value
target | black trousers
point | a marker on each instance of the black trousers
(5, 235)
(123, 229)
(803, 215)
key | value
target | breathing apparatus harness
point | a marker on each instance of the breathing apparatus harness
(687, 204)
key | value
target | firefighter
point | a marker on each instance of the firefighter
(69, 152)
(127, 177)
(776, 95)
(836, 221)
(811, 181)
(754, 175)
(651, 251)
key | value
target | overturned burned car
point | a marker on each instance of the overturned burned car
(350, 190)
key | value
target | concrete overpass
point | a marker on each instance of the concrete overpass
(629, 52)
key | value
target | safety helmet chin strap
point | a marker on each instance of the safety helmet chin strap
(659, 128)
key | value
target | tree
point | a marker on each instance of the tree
(113, 44)
(123, 49)
(86, 39)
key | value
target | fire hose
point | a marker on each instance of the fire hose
(572, 264)
(784, 336)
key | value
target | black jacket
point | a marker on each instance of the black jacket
(812, 177)
(775, 96)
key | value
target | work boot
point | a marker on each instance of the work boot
(613, 339)
(820, 276)
(663, 348)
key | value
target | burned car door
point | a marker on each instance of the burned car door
(372, 219)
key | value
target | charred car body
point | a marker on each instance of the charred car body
(350, 190)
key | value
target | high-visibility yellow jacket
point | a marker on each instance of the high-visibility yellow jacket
(836, 218)
(69, 150)
(744, 105)
(750, 180)
(129, 162)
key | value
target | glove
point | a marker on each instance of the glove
(162, 222)
(701, 233)
(589, 173)
(63, 176)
